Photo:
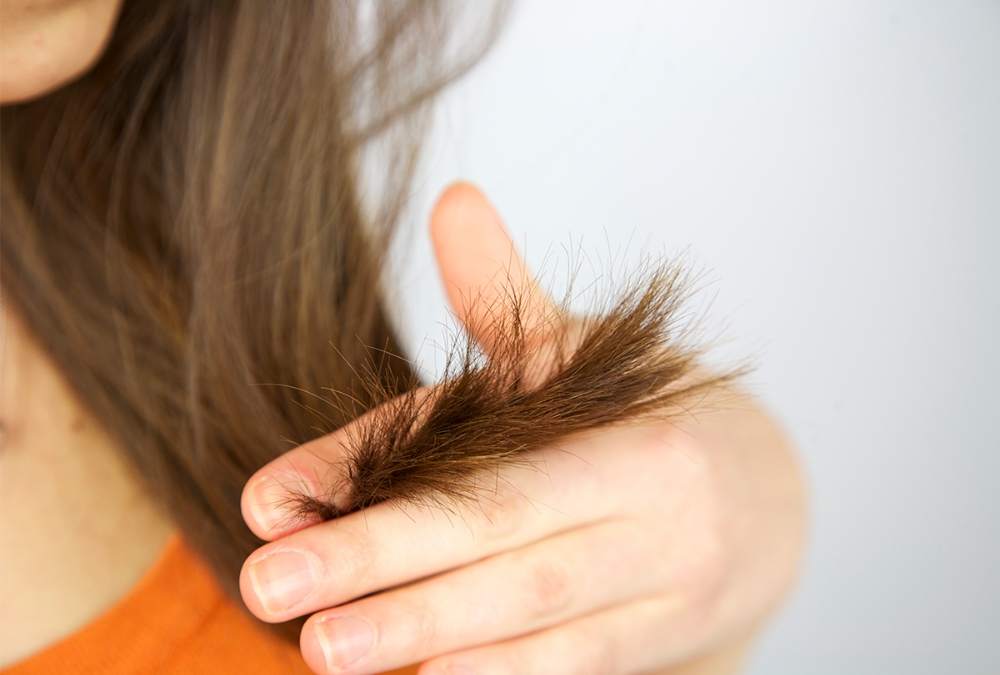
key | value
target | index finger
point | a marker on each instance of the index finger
(566, 487)
(281, 498)
(269, 498)
(273, 496)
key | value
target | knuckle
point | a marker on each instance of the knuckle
(356, 557)
(497, 514)
(703, 536)
(703, 574)
(426, 629)
(548, 590)
(711, 552)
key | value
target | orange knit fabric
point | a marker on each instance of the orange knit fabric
(175, 621)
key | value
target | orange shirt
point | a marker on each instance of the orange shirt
(175, 621)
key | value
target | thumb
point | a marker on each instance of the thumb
(480, 266)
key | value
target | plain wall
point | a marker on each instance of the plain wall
(836, 167)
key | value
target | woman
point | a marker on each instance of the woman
(184, 236)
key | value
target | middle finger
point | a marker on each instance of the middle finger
(504, 596)
(390, 544)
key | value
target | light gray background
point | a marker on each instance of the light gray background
(836, 165)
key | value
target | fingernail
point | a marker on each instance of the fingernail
(268, 497)
(282, 580)
(344, 640)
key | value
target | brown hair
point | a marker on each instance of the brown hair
(183, 228)
(545, 376)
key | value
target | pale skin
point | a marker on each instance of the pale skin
(652, 548)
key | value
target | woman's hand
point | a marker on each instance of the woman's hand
(627, 550)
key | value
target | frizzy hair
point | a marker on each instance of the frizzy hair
(186, 220)
(546, 375)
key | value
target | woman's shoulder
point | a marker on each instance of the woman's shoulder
(176, 620)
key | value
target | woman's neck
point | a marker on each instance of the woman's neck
(76, 529)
